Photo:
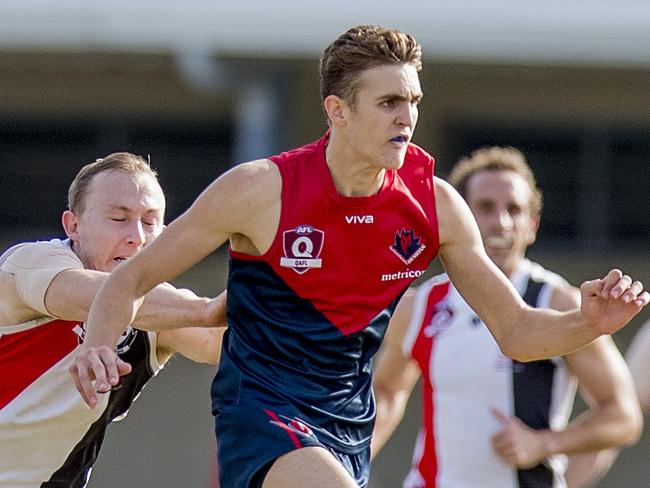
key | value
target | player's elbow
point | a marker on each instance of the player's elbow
(632, 424)
(517, 350)
(627, 425)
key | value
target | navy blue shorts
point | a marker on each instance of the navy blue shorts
(250, 439)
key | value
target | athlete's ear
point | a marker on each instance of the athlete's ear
(335, 109)
(70, 223)
(532, 230)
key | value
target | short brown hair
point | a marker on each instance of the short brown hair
(497, 158)
(119, 161)
(359, 49)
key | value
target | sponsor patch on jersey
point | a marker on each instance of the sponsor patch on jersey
(407, 246)
(359, 219)
(302, 247)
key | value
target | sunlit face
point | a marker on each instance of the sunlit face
(123, 213)
(380, 122)
(500, 202)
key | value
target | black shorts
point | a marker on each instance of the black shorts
(250, 439)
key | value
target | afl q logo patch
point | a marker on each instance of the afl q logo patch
(302, 247)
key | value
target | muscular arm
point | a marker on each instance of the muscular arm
(613, 418)
(585, 469)
(394, 375)
(525, 333)
(243, 204)
(71, 293)
(638, 359)
(202, 345)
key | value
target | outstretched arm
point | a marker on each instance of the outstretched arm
(71, 293)
(394, 375)
(241, 202)
(40, 280)
(522, 332)
(202, 345)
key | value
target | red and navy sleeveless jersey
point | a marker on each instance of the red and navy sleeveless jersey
(306, 317)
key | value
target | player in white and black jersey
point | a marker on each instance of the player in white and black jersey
(48, 436)
(489, 421)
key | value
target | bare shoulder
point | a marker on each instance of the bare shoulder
(251, 181)
(444, 191)
(251, 209)
(456, 223)
(238, 196)
(13, 309)
(260, 179)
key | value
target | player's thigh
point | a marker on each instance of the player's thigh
(306, 468)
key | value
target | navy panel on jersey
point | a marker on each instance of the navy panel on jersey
(327, 375)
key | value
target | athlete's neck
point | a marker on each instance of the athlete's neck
(352, 176)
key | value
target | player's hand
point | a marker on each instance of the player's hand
(96, 370)
(611, 302)
(516, 444)
(216, 311)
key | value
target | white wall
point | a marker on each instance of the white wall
(578, 31)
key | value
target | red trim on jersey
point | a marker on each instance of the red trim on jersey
(289, 430)
(422, 350)
(26, 355)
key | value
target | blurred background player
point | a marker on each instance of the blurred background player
(48, 436)
(490, 421)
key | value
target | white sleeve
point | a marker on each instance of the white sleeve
(35, 265)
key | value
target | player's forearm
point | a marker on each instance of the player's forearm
(389, 416)
(543, 333)
(586, 469)
(112, 310)
(166, 307)
(607, 426)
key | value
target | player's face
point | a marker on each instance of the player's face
(123, 212)
(381, 121)
(500, 202)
